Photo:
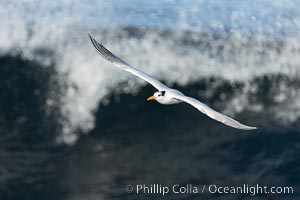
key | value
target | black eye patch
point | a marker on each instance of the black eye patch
(163, 93)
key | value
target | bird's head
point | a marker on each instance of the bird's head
(157, 96)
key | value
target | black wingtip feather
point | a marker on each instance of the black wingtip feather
(105, 52)
(90, 36)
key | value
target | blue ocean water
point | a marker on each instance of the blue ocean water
(75, 127)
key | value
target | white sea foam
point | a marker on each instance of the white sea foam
(239, 54)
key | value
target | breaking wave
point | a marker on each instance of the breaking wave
(243, 62)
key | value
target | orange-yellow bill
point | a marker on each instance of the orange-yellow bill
(151, 98)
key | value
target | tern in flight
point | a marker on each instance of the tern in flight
(166, 95)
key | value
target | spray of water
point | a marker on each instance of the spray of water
(177, 42)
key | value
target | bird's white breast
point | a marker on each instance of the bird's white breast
(169, 97)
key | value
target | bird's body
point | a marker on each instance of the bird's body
(166, 95)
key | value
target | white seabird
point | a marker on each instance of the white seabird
(166, 95)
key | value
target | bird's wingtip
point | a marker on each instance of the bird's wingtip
(251, 128)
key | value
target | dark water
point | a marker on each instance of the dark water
(138, 142)
(27, 131)
(74, 127)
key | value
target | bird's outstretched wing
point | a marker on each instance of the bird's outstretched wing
(105, 53)
(213, 114)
